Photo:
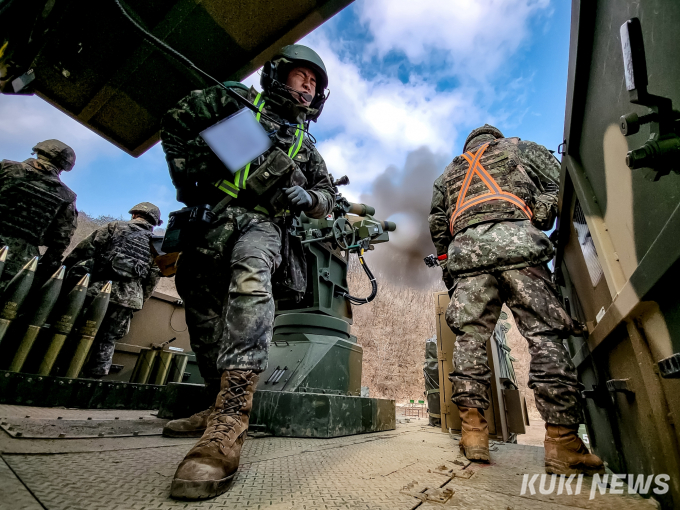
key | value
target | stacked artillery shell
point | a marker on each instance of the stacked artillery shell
(66, 316)
(46, 299)
(3, 257)
(92, 320)
(15, 294)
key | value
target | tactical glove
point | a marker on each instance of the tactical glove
(298, 198)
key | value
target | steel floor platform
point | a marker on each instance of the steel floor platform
(414, 466)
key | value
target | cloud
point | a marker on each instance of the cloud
(29, 119)
(369, 124)
(474, 36)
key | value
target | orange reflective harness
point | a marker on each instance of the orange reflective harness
(495, 191)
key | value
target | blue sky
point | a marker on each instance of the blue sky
(403, 76)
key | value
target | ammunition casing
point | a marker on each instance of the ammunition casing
(24, 348)
(88, 331)
(52, 354)
(164, 362)
(80, 356)
(144, 365)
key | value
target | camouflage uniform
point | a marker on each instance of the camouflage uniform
(107, 254)
(226, 279)
(495, 255)
(36, 209)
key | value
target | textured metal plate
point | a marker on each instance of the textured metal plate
(370, 471)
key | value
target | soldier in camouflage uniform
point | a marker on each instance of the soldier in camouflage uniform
(488, 211)
(226, 280)
(121, 252)
(36, 209)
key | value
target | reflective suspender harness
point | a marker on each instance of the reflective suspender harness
(495, 191)
(232, 188)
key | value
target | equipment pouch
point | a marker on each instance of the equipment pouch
(272, 173)
(186, 227)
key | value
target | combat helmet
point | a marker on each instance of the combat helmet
(275, 73)
(58, 153)
(150, 211)
(486, 129)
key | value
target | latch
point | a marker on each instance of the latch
(661, 151)
(669, 368)
(619, 386)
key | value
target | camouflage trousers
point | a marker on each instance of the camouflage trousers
(115, 326)
(227, 293)
(472, 315)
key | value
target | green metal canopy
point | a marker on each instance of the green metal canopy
(88, 60)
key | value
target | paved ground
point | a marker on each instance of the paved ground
(411, 467)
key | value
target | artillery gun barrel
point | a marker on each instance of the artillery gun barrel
(361, 209)
(3, 257)
(64, 319)
(91, 323)
(15, 294)
(46, 299)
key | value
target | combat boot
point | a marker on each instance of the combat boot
(474, 441)
(565, 453)
(207, 469)
(194, 425)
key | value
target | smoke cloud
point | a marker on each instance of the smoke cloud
(403, 195)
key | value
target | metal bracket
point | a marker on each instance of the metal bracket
(619, 386)
(669, 368)
(661, 151)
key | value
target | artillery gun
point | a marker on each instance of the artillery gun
(314, 365)
(312, 386)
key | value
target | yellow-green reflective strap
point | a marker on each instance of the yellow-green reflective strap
(297, 144)
(242, 175)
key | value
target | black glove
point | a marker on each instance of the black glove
(298, 198)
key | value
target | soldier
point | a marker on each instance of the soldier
(36, 209)
(225, 280)
(119, 251)
(488, 210)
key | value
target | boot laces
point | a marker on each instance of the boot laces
(228, 417)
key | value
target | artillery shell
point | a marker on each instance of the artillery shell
(46, 299)
(15, 294)
(65, 316)
(92, 320)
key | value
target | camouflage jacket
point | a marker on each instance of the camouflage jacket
(36, 209)
(193, 166)
(499, 243)
(92, 255)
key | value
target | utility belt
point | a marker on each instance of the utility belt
(187, 227)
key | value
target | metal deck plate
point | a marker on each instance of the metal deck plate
(400, 469)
